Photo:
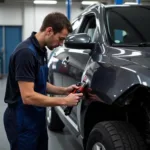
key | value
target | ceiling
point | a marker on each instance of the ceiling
(103, 1)
(27, 1)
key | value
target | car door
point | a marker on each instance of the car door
(77, 59)
(67, 65)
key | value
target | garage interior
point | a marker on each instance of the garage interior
(18, 18)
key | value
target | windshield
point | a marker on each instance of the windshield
(128, 25)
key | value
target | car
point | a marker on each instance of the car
(109, 50)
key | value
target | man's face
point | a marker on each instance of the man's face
(55, 40)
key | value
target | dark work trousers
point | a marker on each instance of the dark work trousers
(24, 134)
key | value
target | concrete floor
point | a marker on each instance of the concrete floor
(57, 141)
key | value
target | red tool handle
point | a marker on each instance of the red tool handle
(68, 109)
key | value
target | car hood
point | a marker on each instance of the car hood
(133, 59)
(137, 55)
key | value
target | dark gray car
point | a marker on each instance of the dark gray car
(110, 49)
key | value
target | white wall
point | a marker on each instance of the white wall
(42, 11)
(30, 16)
(28, 20)
(10, 14)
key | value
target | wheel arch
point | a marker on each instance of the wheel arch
(130, 106)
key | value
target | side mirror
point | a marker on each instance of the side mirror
(79, 41)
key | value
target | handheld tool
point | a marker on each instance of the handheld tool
(81, 88)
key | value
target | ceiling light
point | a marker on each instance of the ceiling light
(45, 2)
(88, 2)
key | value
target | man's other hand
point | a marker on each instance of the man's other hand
(72, 99)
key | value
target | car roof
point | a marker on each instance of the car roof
(98, 4)
(126, 5)
(114, 5)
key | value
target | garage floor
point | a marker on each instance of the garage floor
(57, 141)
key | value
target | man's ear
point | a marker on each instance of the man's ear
(49, 31)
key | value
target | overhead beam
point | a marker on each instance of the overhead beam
(119, 1)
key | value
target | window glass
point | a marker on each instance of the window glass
(75, 25)
(128, 24)
(89, 26)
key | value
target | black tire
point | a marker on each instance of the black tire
(115, 135)
(55, 123)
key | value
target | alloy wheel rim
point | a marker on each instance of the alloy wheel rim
(98, 146)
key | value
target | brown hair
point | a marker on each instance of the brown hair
(57, 21)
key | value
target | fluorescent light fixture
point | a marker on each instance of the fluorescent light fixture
(45, 2)
(88, 2)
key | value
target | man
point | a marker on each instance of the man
(24, 118)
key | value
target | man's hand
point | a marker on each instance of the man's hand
(60, 90)
(72, 99)
(69, 89)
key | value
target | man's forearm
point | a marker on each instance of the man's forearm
(55, 89)
(42, 100)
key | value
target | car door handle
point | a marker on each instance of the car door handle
(65, 61)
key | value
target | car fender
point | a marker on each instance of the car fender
(108, 84)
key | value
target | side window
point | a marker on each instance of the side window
(75, 25)
(89, 26)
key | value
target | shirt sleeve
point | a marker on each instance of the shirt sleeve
(25, 65)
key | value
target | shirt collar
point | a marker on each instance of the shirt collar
(36, 43)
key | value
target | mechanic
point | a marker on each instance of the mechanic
(25, 116)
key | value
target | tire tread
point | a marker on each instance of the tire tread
(123, 135)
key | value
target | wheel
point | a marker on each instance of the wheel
(115, 135)
(53, 121)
